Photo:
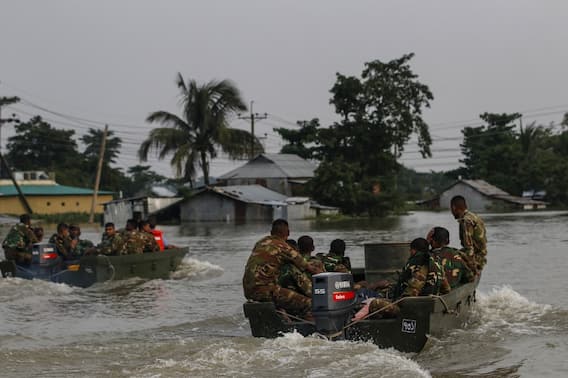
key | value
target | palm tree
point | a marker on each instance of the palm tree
(194, 138)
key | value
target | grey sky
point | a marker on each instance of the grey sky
(115, 61)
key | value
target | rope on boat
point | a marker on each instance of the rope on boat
(110, 266)
(302, 320)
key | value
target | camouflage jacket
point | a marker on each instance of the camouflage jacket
(111, 245)
(456, 270)
(264, 265)
(422, 275)
(150, 243)
(334, 263)
(133, 242)
(473, 239)
(63, 245)
(295, 279)
(81, 247)
(20, 237)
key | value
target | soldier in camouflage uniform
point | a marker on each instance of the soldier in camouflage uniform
(422, 274)
(295, 279)
(112, 243)
(18, 243)
(472, 235)
(134, 241)
(150, 244)
(455, 269)
(63, 242)
(335, 260)
(263, 269)
(83, 245)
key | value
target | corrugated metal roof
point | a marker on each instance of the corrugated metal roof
(46, 190)
(489, 190)
(251, 194)
(273, 166)
(486, 188)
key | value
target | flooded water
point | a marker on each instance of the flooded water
(192, 325)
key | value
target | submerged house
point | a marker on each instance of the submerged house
(165, 209)
(238, 203)
(283, 173)
(483, 197)
(45, 196)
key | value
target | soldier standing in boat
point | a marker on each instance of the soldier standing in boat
(263, 268)
(18, 243)
(472, 234)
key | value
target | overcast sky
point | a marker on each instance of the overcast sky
(114, 61)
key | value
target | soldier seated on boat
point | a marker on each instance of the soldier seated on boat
(295, 279)
(134, 241)
(18, 243)
(82, 244)
(63, 242)
(111, 242)
(263, 268)
(38, 232)
(422, 275)
(335, 260)
(455, 269)
(150, 244)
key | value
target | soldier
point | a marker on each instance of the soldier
(295, 279)
(421, 275)
(63, 242)
(262, 270)
(111, 242)
(82, 244)
(150, 243)
(133, 239)
(18, 243)
(38, 232)
(306, 245)
(472, 235)
(335, 260)
(455, 269)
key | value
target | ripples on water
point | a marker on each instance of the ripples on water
(192, 325)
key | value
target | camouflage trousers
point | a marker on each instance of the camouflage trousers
(293, 302)
(294, 279)
(20, 257)
(471, 262)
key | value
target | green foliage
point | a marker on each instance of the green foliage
(194, 138)
(38, 146)
(379, 113)
(300, 142)
(533, 158)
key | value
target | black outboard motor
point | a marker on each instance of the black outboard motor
(333, 301)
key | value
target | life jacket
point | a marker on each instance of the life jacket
(158, 235)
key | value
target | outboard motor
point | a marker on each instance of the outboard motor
(45, 261)
(333, 301)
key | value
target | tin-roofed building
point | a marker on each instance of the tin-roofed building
(484, 197)
(238, 203)
(45, 196)
(282, 173)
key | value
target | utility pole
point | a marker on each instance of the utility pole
(253, 117)
(98, 178)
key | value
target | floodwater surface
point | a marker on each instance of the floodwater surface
(192, 324)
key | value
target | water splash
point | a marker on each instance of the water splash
(193, 269)
(505, 310)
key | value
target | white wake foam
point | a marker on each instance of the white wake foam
(504, 309)
(191, 268)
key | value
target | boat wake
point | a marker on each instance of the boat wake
(291, 354)
(193, 269)
(503, 310)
